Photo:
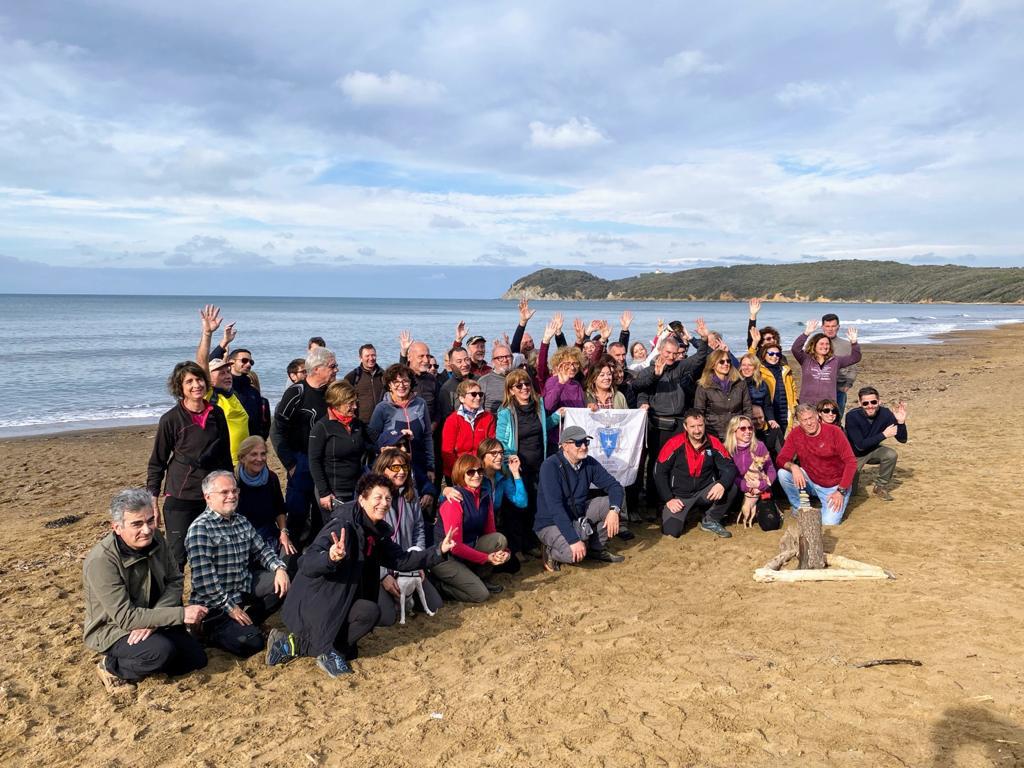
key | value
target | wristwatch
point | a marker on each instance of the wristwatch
(842, 490)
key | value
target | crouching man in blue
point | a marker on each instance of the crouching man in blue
(867, 427)
(570, 525)
(221, 545)
(133, 610)
(333, 603)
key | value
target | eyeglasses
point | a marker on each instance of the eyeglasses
(400, 383)
(229, 492)
(744, 429)
(246, 360)
(502, 357)
(522, 385)
(474, 394)
(398, 468)
(869, 402)
(581, 443)
(771, 354)
(495, 453)
(332, 366)
(827, 410)
(474, 472)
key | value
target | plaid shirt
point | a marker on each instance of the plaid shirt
(219, 553)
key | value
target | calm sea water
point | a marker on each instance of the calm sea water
(71, 362)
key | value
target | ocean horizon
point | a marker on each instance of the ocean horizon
(110, 355)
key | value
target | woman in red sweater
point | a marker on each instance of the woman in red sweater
(466, 427)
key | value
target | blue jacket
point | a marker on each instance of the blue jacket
(507, 428)
(505, 485)
(562, 496)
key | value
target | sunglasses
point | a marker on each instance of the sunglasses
(827, 410)
(246, 360)
(332, 366)
(398, 468)
(433, 367)
(744, 429)
(474, 394)
(581, 443)
(474, 472)
(723, 362)
(771, 354)
(521, 385)
(869, 402)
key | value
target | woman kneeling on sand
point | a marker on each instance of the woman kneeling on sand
(333, 600)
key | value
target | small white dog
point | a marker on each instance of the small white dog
(408, 585)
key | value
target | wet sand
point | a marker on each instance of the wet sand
(674, 658)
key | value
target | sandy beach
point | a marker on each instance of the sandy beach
(674, 658)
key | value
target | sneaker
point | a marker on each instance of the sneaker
(881, 492)
(603, 556)
(110, 681)
(716, 528)
(280, 647)
(626, 535)
(550, 564)
(333, 664)
(494, 589)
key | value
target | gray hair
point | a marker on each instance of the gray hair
(317, 357)
(129, 500)
(209, 479)
(670, 339)
(806, 408)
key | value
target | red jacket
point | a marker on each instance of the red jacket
(458, 437)
(826, 457)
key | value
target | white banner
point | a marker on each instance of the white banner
(619, 435)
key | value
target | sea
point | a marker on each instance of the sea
(77, 362)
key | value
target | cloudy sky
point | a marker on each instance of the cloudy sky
(313, 137)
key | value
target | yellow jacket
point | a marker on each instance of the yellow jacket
(789, 384)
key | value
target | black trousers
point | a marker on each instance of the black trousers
(660, 429)
(713, 511)
(362, 617)
(224, 632)
(179, 514)
(171, 650)
(517, 523)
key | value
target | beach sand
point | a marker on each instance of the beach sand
(674, 658)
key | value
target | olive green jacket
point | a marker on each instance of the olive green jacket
(118, 591)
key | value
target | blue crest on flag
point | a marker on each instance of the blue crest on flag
(609, 439)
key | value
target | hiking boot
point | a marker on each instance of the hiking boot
(550, 564)
(110, 681)
(280, 647)
(603, 556)
(716, 528)
(881, 492)
(333, 664)
(494, 589)
(625, 534)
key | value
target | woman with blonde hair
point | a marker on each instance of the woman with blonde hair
(260, 500)
(408, 531)
(750, 369)
(756, 473)
(523, 426)
(721, 393)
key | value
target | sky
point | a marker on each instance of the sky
(342, 148)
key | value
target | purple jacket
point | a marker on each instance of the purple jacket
(818, 382)
(742, 458)
(558, 395)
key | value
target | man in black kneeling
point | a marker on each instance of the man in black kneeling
(694, 473)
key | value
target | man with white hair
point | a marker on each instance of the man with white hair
(133, 589)
(221, 547)
(493, 383)
(302, 405)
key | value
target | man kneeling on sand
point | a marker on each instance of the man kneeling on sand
(133, 590)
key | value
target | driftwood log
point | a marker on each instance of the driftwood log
(789, 547)
(812, 549)
(839, 569)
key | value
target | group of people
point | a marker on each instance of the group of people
(448, 477)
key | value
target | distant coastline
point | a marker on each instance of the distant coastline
(833, 282)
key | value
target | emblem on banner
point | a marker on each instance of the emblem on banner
(609, 439)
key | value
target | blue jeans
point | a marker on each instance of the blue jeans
(828, 517)
(841, 402)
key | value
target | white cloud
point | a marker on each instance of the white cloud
(576, 133)
(687, 63)
(804, 92)
(394, 88)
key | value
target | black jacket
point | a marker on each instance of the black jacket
(336, 457)
(184, 453)
(672, 471)
(671, 393)
(323, 591)
(300, 408)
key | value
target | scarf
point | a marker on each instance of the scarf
(723, 384)
(469, 415)
(254, 481)
(345, 421)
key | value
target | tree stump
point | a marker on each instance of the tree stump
(812, 549)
